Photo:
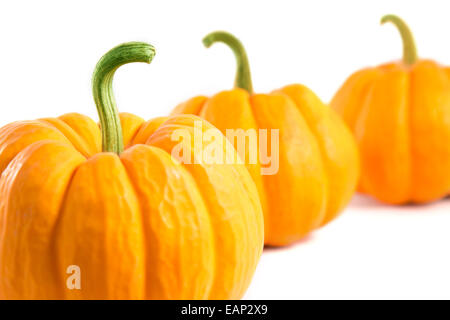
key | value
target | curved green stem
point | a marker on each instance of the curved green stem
(409, 46)
(243, 78)
(112, 138)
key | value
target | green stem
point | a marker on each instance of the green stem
(243, 78)
(409, 46)
(112, 139)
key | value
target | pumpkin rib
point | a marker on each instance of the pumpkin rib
(232, 275)
(387, 175)
(16, 136)
(147, 129)
(338, 150)
(145, 232)
(54, 233)
(313, 132)
(197, 256)
(38, 201)
(154, 139)
(192, 106)
(248, 188)
(140, 213)
(71, 135)
(86, 128)
(110, 243)
(140, 229)
(131, 125)
(297, 168)
(360, 102)
(353, 91)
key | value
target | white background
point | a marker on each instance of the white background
(49, 49)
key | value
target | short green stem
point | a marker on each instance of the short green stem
(409, 46)
(102, 79)
(243, 77)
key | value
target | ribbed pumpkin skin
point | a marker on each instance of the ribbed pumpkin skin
(318, 158)
(400, 116)
(139, 225)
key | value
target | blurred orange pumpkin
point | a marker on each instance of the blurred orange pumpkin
(400, 115)
(137, 224)
(318, 160)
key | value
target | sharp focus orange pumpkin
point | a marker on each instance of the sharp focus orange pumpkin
(400, 115)
(138, 223)
(318, 160)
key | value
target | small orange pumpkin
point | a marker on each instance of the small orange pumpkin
(400, 115)
(135, 223)
(318, 161)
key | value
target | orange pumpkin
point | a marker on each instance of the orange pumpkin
(400, 115)
(137, 223)
(318, 161)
